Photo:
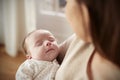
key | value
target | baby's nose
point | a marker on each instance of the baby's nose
(48, 43)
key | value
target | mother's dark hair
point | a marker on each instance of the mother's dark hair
(105, 27)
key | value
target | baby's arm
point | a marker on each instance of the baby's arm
(25, 72)
(64, 47)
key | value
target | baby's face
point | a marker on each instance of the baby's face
(42, 45)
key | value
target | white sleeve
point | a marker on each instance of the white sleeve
(25, 72)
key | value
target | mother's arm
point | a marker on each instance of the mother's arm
(63, 47)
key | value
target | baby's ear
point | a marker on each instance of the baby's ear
(28, 57)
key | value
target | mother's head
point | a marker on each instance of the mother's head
(97, 21)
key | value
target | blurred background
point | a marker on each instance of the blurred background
(19, 17)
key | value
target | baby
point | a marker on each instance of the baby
(41, 50)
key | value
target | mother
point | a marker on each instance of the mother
(93, 53)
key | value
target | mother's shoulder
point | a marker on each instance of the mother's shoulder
(103, 69)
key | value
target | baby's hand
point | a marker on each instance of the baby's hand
(55, 62)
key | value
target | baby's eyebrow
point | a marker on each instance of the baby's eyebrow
(52, 37)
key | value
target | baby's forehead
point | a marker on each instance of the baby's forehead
(39, 34)
(42, 33)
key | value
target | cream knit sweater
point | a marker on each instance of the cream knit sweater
(37, 70)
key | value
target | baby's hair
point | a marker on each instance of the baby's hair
(24, 47)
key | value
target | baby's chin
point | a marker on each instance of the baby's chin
(52, 56)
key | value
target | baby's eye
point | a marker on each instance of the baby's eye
(51, 39)
(39, 43)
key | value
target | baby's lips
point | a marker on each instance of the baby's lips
(49, 50)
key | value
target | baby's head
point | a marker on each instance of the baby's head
(41, 45)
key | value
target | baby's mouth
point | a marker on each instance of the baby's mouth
(49, 50)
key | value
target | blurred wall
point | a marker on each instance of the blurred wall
(53, 20)
(1, 24)
(56, 23)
